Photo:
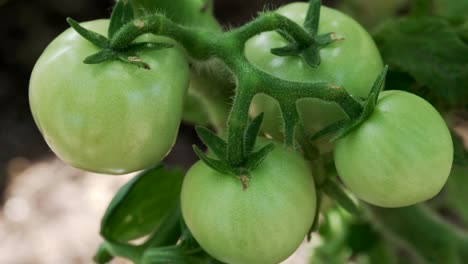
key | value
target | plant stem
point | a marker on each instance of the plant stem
(228, 47)
(423, 233)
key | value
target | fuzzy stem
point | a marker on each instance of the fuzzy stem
(203, 45)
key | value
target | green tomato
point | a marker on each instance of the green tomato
(112, 117)
(401, 155)
(265, 223)
(353, 63)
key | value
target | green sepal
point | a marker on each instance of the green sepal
(311, 52)
(129, 55)
(212, 141)
(122, 13)
(369, 106)
(311, 56)
(311, 22)
(344, 127)
(335, 191)
(254, 159)
(141, 205)
(288, 50)
(217, 165)
(93, 37)
(251, 133)
(101, 56)
(330, 129)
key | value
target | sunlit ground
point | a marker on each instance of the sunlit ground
(53, 211)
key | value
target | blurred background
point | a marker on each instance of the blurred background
(50, 212)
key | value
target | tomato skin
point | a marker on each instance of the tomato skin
(264, 223)
(112, 117)
(353, 63)
(401, 155)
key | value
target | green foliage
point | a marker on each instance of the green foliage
(430, 51)
(451, 8)
(141, 205)
(456, 192)
(460, 156)
(441, 243)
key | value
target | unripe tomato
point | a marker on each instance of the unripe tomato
(110, 117)
(353, 63)
(265, 223)
(400, 156)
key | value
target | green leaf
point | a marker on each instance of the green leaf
(451, 8)
(102, 255)
(460, 156)
(173, 255)
(168, 232)
(140, 205)
(361, 237)
(218, 165)
(456, 192)
(430, 51)
(252, 133)
(215, 143)
(421, 7)
(335, 191)
(97, 39)
(423, 232)
(254, 159)
(121, 15)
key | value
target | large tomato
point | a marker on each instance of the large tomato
(353, 63)
(111, 117)
(264, 223)
(400, 156)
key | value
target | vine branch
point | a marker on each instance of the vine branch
(228, 47)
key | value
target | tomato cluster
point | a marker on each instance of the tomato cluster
(115, 118)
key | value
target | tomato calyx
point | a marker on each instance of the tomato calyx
(128, 55)
(344, 127)
(121, 14)
(219, 147)
(310, 52)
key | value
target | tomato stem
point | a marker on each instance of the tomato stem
(204, 45)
